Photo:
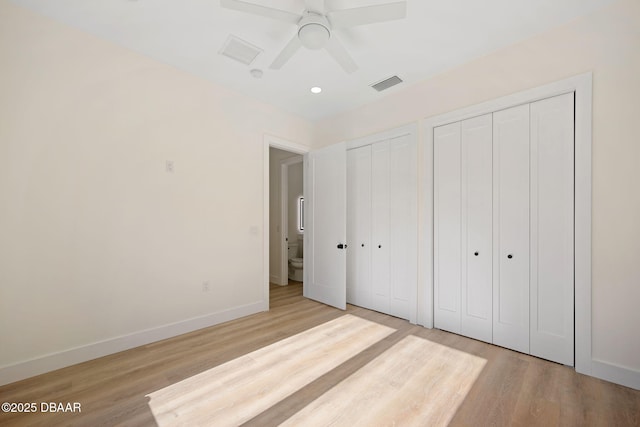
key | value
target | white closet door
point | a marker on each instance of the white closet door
(359, 226)
(380, 269)
(511, 228)
(403, 220)
(552, 183)
(447, 268)
(477, 187)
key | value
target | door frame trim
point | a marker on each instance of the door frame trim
(582, 86)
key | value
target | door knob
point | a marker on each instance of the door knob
(341, 246)
(476, 253)
(363, 245)
(509, 256)
(379, 246)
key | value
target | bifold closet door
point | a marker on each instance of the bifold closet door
(359, 226)
(402, 228)
(447, 233)
(382, 212)
(511, 228)
(380, 227)
(552, 195)
(477, 187)
(503, 228)
(463, 227)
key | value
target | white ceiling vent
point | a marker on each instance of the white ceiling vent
(240, 50)
(386, 83)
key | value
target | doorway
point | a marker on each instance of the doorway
(283, 177)
(291, 220)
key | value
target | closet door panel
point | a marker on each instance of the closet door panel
(552, 183)
(359, 226)
(380, 278)
(511, 228)
(476, 289)
(447, 227)
(403, 221)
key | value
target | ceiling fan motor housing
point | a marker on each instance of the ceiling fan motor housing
(314, 31)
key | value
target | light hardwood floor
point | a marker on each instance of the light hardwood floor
(416, 374)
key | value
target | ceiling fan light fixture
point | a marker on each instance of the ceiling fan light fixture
(314, 31)
(314, 36)
(316, 23)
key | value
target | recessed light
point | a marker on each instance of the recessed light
(316, 89)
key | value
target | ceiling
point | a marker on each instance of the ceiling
(436, 35)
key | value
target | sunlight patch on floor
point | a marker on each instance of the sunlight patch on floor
(240, 389)
(414, 383)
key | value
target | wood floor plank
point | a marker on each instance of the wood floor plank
(410, 385)
(238, 390)
(511, 389)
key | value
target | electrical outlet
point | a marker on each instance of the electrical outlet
(205, 286)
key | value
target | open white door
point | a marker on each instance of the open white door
(325, 255)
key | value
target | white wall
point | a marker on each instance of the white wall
(98, 242)
(607, 43)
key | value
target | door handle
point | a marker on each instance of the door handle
(476, 253)
(509, 256)
(341, 246)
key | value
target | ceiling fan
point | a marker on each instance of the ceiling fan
(316, 25)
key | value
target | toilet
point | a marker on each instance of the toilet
(295, 260)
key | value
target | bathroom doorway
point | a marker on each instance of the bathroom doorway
(291, 220)
(282, 157)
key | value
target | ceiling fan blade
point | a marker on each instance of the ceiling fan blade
(340, 54)
(317, 6)
(289, 50)
(368, 14)
(277, 14)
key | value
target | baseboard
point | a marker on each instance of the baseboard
(276, 280)
(51, 362)
(616, 374)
